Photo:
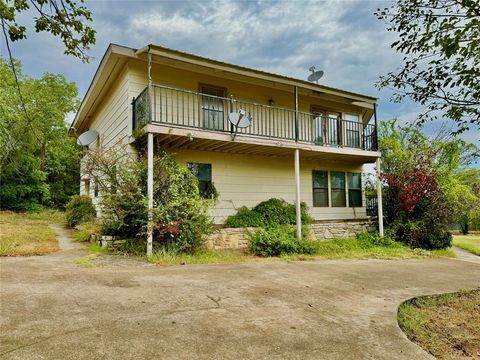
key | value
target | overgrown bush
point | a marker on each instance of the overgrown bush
(86, 230)
(371, 239)
(179, 215)
(279, 240)
(245, 217)
(181, 221)
(423, 234)
(79, 209)
(268, 213)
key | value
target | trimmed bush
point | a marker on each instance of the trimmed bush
(79, 209)
(279, 240)
(268, 213)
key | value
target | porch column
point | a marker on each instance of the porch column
(297, 194)
(150, 193)
(297, 171)
(379, 198)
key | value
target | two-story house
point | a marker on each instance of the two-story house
(302, 141)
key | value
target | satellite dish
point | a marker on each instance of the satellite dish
(315, 76)
(240, 119)
(87, 138)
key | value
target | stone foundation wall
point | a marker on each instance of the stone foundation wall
(237, 238)
(335, 230)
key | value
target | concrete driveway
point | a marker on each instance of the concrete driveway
(51, 308)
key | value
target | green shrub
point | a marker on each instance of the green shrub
(371, 239)
(79, 209)
(86, 230)
(268, 213)
(279, 240)
(422, 234)
(180, 215)
(245, 217)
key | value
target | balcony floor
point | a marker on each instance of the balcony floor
(170, 137)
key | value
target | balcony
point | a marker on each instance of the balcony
(181, 108)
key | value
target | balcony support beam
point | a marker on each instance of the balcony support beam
(379, 197)
(150, 193)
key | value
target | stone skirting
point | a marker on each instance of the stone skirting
(238, 238)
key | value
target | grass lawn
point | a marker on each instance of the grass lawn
(470, 243)
(25, 234)
(447, 325)
(334, 249)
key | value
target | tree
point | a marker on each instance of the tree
(441, 65)
(423, 196)
(39, 162)
(62, 18)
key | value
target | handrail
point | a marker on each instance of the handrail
(187, 108)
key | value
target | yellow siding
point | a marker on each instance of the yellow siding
(188, 80)
(243, 180)
(113, 117)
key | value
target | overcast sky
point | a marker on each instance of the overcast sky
(341, 37)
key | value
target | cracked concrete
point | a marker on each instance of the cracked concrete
(51, 308)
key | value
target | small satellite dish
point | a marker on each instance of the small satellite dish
(240, 119)
(315, 75)
(87, 138)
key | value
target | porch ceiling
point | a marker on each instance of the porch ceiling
(275, 149)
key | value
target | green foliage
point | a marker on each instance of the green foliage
(181, 222)
(245, 217)
(65, 19)
(423, 234)
(371, 239)
(423, 196)
(39, 161)
(439, 42)
(79, 210)
(86, 230)
(179, 216)
(268, 213)
(279, 240)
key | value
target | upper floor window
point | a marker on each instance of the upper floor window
(203, 172)
(354, 189)
(213, 107)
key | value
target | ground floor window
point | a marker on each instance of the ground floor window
(333, 188)
(320, 188)
(354, 189)
(338, 189)
(203, 172)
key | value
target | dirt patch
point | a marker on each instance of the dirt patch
(447, 325)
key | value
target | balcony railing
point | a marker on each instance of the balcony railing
(185, 108)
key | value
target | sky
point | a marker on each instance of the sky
(341, 37)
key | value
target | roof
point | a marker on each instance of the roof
(116, 53)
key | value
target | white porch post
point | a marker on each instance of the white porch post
(297, 171)
(150, 193)
(297, 194)
(379, 198)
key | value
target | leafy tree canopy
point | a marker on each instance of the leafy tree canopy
(39, 162)
(429, 185)
(63, 18)
(440, 41)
